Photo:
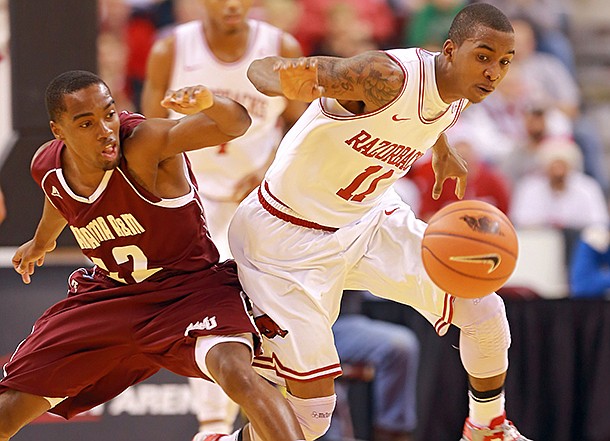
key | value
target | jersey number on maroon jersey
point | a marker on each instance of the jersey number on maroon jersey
(121, 256)
(348, 193)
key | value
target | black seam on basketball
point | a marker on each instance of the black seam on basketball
(500, 214)
(477, 240)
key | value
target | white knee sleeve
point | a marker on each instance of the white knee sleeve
(485, 335)
(314, 414)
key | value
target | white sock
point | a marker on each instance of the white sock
(484, 410)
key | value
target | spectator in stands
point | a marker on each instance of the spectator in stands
(347, 34)
(523, 159)
(375, 15)
(392, 350)
(428, 25)
(549, 19)
(590, 264)
(552, 85)
(562, 196)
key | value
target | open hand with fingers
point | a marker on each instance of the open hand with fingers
(28, 256)
(299, 79)
(448, 164)
(188, 100)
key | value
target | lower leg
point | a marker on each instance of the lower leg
(486, 399)
(268, 411)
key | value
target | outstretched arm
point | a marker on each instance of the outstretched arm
(210, 120)
(33, 252)
(372, 78)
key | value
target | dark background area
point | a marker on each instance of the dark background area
(47, 38)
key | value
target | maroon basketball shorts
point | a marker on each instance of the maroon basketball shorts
(105, 337)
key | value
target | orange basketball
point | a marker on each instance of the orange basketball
(469, 248)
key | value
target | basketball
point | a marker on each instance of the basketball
(469, 248)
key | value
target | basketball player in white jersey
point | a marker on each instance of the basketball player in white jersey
(326, 218)
(216, 51)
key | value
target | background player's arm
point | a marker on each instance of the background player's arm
(33, 252)
(448, 164)
(158, 74)
(372, 78)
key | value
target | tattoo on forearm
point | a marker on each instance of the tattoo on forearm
(379, 86)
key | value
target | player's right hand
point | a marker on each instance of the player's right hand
(188, 100)
(299, 78)
(28, 256)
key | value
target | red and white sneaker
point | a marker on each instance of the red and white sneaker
(208, 436)
(501, 429)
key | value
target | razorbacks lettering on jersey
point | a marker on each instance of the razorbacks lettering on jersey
(343, 162)
(219, 170)
(126, 231)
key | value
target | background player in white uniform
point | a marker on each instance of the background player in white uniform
(216, 51)
(326, 218)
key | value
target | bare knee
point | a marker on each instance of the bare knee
(17, 409)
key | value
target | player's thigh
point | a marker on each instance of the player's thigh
(19, 408)
(392, 266)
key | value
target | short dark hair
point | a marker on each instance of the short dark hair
(65, 84)
(472, 17)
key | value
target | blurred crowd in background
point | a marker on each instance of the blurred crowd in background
(532, 147)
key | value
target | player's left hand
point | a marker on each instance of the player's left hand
(188, 100)
(448, 164)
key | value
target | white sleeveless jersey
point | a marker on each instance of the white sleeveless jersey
(219, 169)
(333, 166)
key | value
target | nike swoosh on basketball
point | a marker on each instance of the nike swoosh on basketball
(493, 260)
(397, 119)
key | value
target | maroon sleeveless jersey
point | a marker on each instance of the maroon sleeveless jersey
(130, 234)
(156, 288)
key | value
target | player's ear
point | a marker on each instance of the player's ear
(449, 48)
(56, 130)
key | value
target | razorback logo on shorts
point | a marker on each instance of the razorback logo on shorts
(268, 327)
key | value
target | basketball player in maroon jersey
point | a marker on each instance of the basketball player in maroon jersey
(157, 296)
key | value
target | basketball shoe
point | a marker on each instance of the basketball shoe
(500, 429)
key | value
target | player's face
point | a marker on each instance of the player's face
(481, 62)
(90, 127)
(228, 15)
